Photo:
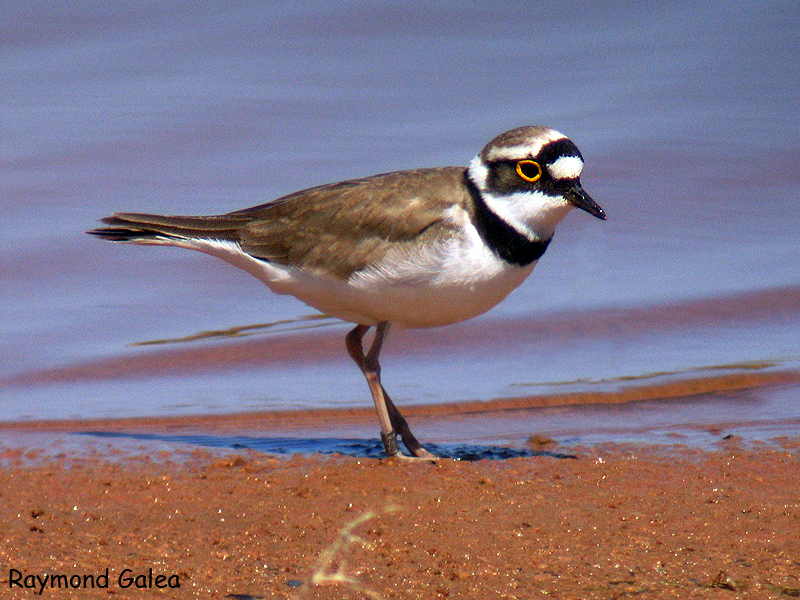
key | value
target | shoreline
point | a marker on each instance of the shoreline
(755, 407)
(609, 521)
(688, 388)
(206, 507)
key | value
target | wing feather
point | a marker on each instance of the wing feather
(339, 228)
(343, 228)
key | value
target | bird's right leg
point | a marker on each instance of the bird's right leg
(383, 403)
(371, 369)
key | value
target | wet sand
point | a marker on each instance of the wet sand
(605, 522)
(122, 503)
(602, 522)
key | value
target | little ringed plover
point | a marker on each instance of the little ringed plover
(420, 248)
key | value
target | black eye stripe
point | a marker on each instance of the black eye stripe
(551, 152)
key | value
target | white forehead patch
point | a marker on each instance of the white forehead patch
(566, 167)
(521, 151)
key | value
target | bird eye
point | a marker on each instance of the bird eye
(529, 170)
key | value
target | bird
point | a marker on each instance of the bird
(418, 248)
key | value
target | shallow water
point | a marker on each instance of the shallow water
(684, 113)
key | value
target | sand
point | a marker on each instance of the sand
(602, 522)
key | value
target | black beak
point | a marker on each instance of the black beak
(580, 199)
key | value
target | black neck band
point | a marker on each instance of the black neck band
(505, 241)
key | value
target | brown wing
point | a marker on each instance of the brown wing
(339, 228)
(343, 227)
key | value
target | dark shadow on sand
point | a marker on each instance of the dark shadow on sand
(359, 448)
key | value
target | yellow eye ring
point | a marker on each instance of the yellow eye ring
(529, 170)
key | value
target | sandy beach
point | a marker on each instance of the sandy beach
(602, 522)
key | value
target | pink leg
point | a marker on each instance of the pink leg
(392, 422)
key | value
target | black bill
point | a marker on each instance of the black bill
(580, 199)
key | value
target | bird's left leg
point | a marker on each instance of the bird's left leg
(370, 366)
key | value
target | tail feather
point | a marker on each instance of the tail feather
(133, 227)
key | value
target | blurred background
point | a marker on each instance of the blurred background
(686, 114)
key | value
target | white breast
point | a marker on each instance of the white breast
(453, 280)
(432, 285)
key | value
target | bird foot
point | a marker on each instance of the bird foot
(393, 450)
(406, 458)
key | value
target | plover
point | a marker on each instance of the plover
(419, 248)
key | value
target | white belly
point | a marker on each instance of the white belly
(433, 286)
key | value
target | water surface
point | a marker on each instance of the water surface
(686, 114)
